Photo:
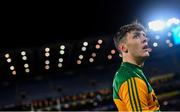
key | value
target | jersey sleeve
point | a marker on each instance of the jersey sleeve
(134, 93)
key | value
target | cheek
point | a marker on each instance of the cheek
(135, 50)
(134, 47)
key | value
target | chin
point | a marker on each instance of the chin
(146, 55)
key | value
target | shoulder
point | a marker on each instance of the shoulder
(121, 76)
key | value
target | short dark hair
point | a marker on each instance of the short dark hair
(121, 33)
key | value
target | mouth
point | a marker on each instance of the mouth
(147, 48)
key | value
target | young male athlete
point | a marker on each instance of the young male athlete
(131, 89)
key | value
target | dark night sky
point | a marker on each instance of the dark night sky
(34, 24)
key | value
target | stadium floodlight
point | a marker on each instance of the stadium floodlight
(173, 21)
(157, 25)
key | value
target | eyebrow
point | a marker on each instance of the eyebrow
(138, 32)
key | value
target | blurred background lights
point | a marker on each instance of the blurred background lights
(7, 55)
(61, 52)
(91, 60)
(169, 34)
(172, 21)
(81, 56)
(83, 48)
(167, 41)
(157, 37)
(170, 45)
(62, 47)
(23, 53)
(113, 51)
(47, 54)
(61, 60)
(47, 62)
(176, 35)
(13, 72)
(11, 67)
(78, 62)
(27, 70)
(100, 41)
(24, 58)
(85, 43)
(155, 44)
(47, 49)
(26, 65)
(9, 60)
(60, 65)
(93, 54)
(109, 56)
(97, 46)
(157, 25)
(47, 67)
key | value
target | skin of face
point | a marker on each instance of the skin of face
(136, 45)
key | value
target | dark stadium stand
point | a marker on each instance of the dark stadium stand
(87, 89)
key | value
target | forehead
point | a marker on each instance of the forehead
(137, 32)
(131, 34)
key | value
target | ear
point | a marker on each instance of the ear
(123, 47)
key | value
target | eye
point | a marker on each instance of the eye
(136, 35)
(144, 35)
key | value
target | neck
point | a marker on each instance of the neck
(138, 62)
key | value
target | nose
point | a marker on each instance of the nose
(145, 39)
